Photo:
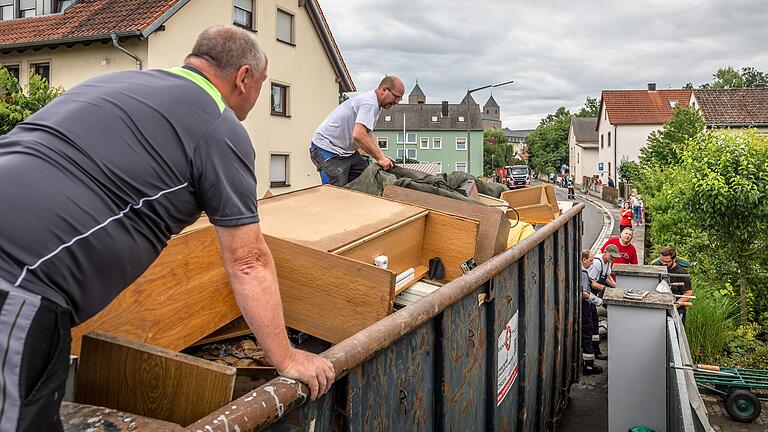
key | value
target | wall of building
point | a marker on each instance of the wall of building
(587, 162)
(448, 156)
(305, 68)
(70, 66)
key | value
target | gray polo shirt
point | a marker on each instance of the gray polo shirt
(93, 185)
(335, 132)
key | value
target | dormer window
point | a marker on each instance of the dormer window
(387, 118)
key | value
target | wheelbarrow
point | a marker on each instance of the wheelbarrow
(735, 386)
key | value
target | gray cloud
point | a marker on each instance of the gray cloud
(558, 52)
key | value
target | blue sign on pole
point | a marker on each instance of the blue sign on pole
(600, 167)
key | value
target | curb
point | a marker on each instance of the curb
(608, 223)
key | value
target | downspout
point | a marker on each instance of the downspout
(116, 43)
(615, 150)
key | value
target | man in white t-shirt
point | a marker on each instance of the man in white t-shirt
(600, 276)
(349, 128)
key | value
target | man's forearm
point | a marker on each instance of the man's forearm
(258, 296)
(368, 144)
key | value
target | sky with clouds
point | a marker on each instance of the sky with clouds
(557, 52)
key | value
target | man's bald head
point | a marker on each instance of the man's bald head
(227, 48)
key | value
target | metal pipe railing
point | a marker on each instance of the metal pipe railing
(264, 405)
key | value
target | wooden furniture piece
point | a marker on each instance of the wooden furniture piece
(534, 204)
(121, 374)
(494, 225)
(324, 241)
(183, 296)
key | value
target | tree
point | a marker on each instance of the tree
(727, 77)
(548, 144)
(591, 108)
(664, 145)
(752, 77)
(726, 186)
(15, 105)
(342, 98)
(496, 151)
(629, 171)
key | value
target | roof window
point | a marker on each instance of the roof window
(672, 103)
(387, 118)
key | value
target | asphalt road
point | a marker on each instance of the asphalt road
(591, 216)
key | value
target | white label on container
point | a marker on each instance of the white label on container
(507, 360)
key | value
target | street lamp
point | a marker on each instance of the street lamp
(469, 92)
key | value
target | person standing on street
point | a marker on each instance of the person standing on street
(95, 202)
(588, 326)
(569, 181)
(678, 278)
(626, 216)
(349, 128)
(600, 276)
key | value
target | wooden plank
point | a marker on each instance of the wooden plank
(326, 217)
(418, 273)
(182, 297)
(402, 247)
(329, 296)
(535, 214)
(494, 226)
(146, 380)
(451, 238)
(237, 327)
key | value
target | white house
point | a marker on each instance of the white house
(583, 147)
(625, 120)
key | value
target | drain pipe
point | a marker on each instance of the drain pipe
(116, 43)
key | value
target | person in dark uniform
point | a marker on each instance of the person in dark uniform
(588, 324)
(94, 185)
(679, 279)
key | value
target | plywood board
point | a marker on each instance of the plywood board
(451, 238)
(329, 296)
(535, 214)
(494, 226)
(142, 379)
(182, 297)
(535, 204)
(402, 246)
(326, 217)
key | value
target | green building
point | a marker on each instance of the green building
(435, 133)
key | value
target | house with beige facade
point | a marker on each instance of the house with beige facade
(70, 41)
(625, 120)
(732, 108)
(583, 147)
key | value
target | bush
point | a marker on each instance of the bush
(15, 105)
(710, 325)
(745, 350)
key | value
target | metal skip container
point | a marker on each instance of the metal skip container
(494, 350)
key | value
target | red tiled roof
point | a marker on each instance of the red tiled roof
(733, 107)
(86, 19)
(627, 107)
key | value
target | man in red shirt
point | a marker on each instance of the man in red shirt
(626, 249)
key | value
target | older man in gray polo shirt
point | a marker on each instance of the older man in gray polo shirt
(349, 128)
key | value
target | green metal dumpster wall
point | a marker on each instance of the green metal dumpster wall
(433, 365)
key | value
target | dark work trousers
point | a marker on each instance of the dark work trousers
(335, 169)
(587, 351)
(595, 329)
(571, 192)
(34, 357)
